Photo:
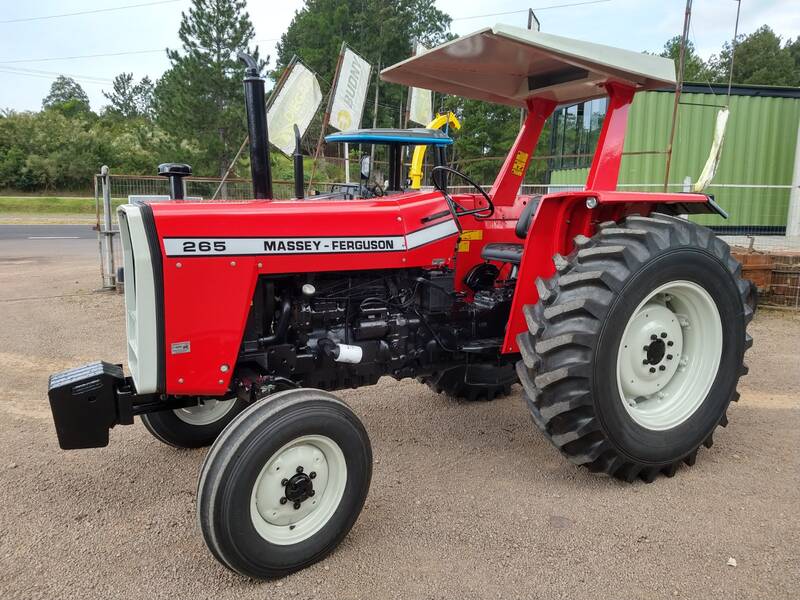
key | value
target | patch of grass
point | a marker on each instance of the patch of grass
(59, 205)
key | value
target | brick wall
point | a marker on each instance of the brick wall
(776, 274)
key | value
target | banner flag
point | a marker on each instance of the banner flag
(351, 92)
(420, 107)
(296, 103)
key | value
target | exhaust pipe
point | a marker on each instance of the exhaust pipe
(299, 184)
(257, 129)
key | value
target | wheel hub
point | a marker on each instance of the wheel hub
(669, 355)
(650, 352)
(655, 352)
(300, 487)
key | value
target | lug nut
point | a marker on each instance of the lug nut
(645, 348)
(299, 469)
(652, 369)
(284, 482)
(296, 505)
(663, 334)
(670, 343)
(669, 356)
(312, 475)
(311, 493)
(283, 501)
(662, 368)
(654, 337)
(644, 362)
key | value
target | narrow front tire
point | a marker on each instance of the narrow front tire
(284, 483)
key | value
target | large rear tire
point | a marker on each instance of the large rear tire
(284, 483)
(635, 346)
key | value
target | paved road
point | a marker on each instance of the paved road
(47, 241)
(38, 232)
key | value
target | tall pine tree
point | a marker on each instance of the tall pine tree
(199, 99)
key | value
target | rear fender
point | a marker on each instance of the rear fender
(562, 216)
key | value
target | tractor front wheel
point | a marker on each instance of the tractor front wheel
(635, 346)
(284, 483)
(193, 426)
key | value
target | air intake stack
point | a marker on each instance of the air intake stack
(257, 128)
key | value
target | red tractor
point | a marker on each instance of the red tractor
(623, 321)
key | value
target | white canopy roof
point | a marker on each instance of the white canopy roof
(508, 65)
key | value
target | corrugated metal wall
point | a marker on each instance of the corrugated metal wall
(759, 150)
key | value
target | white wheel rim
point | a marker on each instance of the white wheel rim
(290, 522)
(669, 355)
(205, 412)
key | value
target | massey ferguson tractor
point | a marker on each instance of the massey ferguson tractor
(623, 321)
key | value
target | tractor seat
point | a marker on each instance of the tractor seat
(507, 252)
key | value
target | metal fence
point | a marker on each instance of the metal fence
(769, 256)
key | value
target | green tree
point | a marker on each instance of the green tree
(694, 69)
(382, 31)
(199, 99)
(793, 47)
(759, 59)
(129, 99)
(67, 96)
(487, 132)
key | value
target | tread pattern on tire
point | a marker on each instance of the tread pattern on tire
(557, 352)
(226, 449)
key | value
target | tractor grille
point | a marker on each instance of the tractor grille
(140, 300)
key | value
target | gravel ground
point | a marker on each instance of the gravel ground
(467, 500)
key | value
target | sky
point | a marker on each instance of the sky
(33, 51)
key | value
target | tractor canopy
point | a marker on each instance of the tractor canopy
(405, 137)
(509, 65)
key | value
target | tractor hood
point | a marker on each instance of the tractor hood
(509, 65)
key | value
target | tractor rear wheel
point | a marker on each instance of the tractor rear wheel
(635, 346)
(194, 426)
(474, 382)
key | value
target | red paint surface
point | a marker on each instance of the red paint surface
(604, 172)
(207, 298)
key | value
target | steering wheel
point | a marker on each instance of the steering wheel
(455, 208)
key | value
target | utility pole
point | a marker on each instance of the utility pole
(678, 87)
(375, 113)
(533, 22)
(533, 25)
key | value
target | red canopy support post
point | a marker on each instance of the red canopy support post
(506, 185)
(607, 156)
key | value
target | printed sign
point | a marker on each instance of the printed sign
(287, 245)
(308, 245)
(296, 104)
(351, 92)
(420, 106)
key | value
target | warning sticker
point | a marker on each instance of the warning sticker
(472, 234)
(520, 160)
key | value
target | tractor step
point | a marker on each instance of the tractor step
(482, 346)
